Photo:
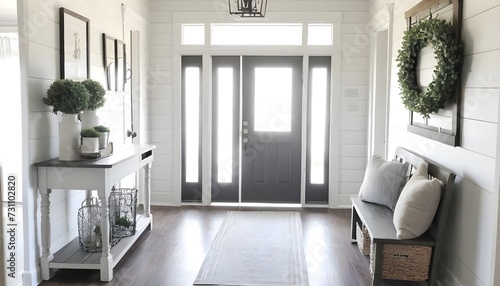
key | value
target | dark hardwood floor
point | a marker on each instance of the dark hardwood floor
(172, 253)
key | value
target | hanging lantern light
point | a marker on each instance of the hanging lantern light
(248, 8)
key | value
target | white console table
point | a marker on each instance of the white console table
(98, 175)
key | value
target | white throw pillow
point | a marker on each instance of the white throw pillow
(383, 181)
(417, 204)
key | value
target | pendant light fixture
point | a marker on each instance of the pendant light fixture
(248, 8)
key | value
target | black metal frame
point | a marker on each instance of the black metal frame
(190, 192)
(226, 192)
(316, 193)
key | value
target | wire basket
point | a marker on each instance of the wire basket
(89, 225)
(122, 213)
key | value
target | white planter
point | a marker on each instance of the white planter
(103, 139)
(69, 138)
(90, 145)
(89, 119)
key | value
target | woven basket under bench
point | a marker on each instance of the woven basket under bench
(403, 262)
(363, 239)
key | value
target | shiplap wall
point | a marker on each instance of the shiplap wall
(470, 234)
(39, 31)
(166, 15)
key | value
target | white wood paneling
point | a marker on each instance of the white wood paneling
(354, 124)
(481, 104)
(160, 106)
(482, 70)
(353, 150)
(473, 137)
(349, 188)
(354, 77)
(352, 137)
(160, 91)
(475, 8)
(162, 136)
(486, 39)
(42, 59)
(355, 64)
(353, 163)
(472, 209)
(163, 160)
(161, 121)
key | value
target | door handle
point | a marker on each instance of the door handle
(245, 143)
(132, 134)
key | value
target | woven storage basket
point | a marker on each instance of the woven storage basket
(404, 262)
(363, 239)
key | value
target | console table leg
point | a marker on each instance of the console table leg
(147, 189)
(45, 233)
(106, 259)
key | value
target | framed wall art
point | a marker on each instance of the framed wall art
(74, 45)
(120, 65)
(109, 61)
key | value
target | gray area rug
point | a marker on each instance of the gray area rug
(256, 248)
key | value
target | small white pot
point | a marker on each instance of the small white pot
(103, 139)
(90, 145)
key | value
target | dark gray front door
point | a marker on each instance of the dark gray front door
(271, 129)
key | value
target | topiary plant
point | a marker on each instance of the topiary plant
(101, 128)
(123, 221)
(67, 96)
(97, 93)
(89, 132)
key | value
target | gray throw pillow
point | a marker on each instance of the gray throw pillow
(383, 181)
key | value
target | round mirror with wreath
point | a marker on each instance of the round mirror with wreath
(441, 36)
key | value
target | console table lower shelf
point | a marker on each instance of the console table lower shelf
(72, 256)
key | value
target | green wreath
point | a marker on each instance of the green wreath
(441, 36)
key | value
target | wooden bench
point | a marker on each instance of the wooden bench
(378, 220)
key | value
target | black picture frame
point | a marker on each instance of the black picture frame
(109, 61)
(74, 45)
(121, 62)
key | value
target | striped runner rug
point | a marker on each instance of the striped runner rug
(256, 248)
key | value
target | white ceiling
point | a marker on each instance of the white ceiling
(8, 11)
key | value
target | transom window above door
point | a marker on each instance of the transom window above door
(258, 34)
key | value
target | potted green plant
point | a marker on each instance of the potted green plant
(90, 141)
(70, 98)
(103, 135)
(97, 92)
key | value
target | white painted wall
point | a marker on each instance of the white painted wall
(353, 65)
(470, 240)
(39, 28)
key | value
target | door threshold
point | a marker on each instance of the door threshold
(257, 205)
